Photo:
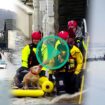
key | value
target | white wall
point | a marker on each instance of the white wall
(44, 20)
(11, 39)
(24, 18)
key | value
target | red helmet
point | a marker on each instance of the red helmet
(72, 24)
(63, 34)
(36, 35)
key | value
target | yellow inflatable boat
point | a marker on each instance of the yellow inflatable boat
(46, 85)
(27, 93)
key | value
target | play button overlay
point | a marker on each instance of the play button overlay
(52, 52)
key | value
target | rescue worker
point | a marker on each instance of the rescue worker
(69, 73)
(28, 59)
(73, 29)
(75, 32)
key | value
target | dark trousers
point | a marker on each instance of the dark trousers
(70, 84)
(19, 76)
(59, 78)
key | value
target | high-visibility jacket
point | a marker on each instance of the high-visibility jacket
(75, 61)
(77, 55)
(29, 56)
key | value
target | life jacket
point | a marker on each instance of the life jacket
(32, 60)
(72, 62)
(79, 42)
(70, 65)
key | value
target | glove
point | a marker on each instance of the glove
(19, 70)
(24, 70)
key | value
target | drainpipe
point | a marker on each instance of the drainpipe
(44, 24)
(50, 17)
(36, 15)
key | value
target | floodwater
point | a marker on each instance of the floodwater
(95, 81)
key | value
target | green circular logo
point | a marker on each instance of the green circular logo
(52, 52)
